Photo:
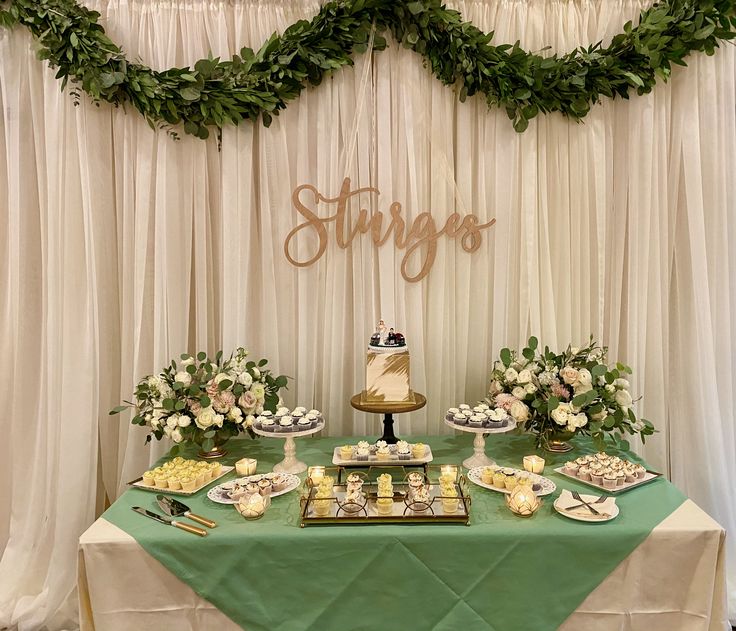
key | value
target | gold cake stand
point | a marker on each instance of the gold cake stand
(388, 409)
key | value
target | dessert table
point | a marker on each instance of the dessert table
(658, 565)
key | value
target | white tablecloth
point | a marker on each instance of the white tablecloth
(674, 581)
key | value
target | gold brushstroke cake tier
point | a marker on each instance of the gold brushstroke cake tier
(387, 377)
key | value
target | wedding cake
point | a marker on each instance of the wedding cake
(387, 368)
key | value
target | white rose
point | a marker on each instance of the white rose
(256, 373)
(519, 411)
(578, 420)
(176, 435)
(245, 379)
(582, 388)
(249, 420)
(610, 387)
(569, 375)
(259, 392)
(208, 417)
(525, 376)
(547, 378)
(184, 420)
(235, 414)
(183, 377)
(621, 384)
(584, 377)
(167, 432)
(559, 415)
(623, 398)
(189, 361)
(173, 421)
(519, 392)
(220, 377)
(530, 388)
(511, 375)
(599, 416)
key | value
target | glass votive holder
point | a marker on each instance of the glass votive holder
(316, 475)
(246, 466)
(534, 464)
(449, 471)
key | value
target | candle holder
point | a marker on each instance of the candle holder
(523, 501)
(534, 464)
(246, 466)
(316, 474)
(449, 471)
(253, 506)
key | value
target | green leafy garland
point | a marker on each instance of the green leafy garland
(253, 84)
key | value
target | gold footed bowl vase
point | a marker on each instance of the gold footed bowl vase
(556, 441)
(217, 451)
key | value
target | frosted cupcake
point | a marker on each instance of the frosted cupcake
(630, 474)
(187, 483)
(460, 418)
(313, 420)
(346, 452)
(572, 468)
(403, 451)
(480, 409)
(316, 413)
(453, 411)
(286, 424)
(418, 450)
(296, 415)
(640, 471)
(267, 414)
(304, 424)
(383, 453)
(620, 478)
(609, 481)
(265, 487)
(476, 420)
(161, 480)
(510, 482)
(496, 418)
(464, 406)
(300, 410)
(499, 479)
(268, 424)
(584, 473)
(362, 454)
(364, 444)
(148, 478)
(174, 483)
(487, 475)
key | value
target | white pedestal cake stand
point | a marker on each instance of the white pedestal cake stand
(290, 464)
(479, 458)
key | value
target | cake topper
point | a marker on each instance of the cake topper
(386, 338)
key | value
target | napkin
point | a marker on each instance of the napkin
(566, 500)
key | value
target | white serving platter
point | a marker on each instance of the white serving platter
(626, 486)
(393, 459)
(218, 494)
(547, 486)
(139, 484)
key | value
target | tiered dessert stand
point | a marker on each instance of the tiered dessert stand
(290, 463)
(479, 458)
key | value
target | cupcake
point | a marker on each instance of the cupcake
(381, 443)
(418, 450)
(584, 473)
(453, 411)
(362, 454)
(267, 414)
(383, 453)
(572, 468)
(484, 406)
(161, 480)
(286, 424)
(499, 479)
(148, 478)
(487, 475)
(364, 444)
(174, 483)
(299, 411)
(510, 482)
(476, 420)
(480, 409)
(187, 483)
(402, 444)
(304, 424)
(268, 424)
(640, 471)
(620, 478)
(313, 420)
(200, 477)
(463, 406)
(316, 413)
(346, 452)
(265, 487)
(596, 477)
(630, 474)
(495, 418)
(404, 453)
(278, 481)
(609, 481)
(460, 418)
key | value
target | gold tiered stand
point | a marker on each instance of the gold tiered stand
(388, 409)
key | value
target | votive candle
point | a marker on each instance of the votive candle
(246, 466)
(449, 470)
(534, 464)
(316, 474)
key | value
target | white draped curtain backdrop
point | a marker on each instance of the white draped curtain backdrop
(122, 248)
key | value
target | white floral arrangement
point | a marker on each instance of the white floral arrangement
(573, 392)
(203, 401)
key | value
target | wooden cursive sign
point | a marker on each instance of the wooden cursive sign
(421, 237)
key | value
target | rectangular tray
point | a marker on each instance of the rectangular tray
(372, 461)
(138, 483)
(401, 513)
(627, 486)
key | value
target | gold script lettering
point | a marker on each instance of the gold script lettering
(420, 239)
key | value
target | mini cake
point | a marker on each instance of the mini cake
(418, 450)
(510, 482)
(387, 368)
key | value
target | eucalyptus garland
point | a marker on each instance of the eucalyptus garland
(259, 84)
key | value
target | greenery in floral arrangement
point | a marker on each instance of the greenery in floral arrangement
(573, 392)
(203, 401)
(259, 83)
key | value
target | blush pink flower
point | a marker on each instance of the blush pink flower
(223, 401)
(247, 401)
(212, 388)
(560, 391)
(505, 400)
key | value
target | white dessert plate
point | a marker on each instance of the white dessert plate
(220, 494)
(393, 460)
(546, 485)
(139, 484)
(648, 477)
(589, 517)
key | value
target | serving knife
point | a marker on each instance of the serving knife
(175, 508)
(171, 522)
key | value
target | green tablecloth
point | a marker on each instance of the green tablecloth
(500, 573)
